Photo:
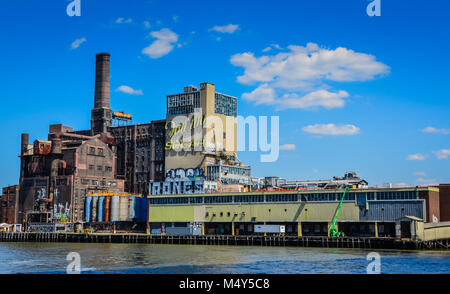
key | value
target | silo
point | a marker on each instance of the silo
(94, 209)
(114, 208)
(87, 210)
(123, 210)
(101, 206)
(107, 208)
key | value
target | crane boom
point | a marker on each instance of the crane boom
(333, 231)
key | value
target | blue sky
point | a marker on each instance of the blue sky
(359, 97)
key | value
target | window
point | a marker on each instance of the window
(108, 168)
(91, 167)
(91, 150)
(99, 168)
(100, 151)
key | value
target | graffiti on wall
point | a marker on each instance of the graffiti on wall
(180, 187)
(61, 213)
(185, 174)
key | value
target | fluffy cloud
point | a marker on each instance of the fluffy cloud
(77, 43)
(420, 174)
(264, 94)
(303, 71)
(331, 129)
(436, 131)
(287, 147)
(163, 45)
(416, 156)
(273, 46)
(228, 29)
(442, 154)
(123, 20)
(129, 90)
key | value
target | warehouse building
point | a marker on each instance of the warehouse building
(365, 212)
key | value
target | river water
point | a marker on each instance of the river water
(197, 259)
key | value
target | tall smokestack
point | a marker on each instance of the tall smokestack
(101, 114)
(102, 80)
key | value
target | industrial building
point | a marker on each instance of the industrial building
(8, 203)
(365, 212)
(56, 174)
(182, 175)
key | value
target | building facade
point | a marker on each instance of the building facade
(8, 203)
(364, 212)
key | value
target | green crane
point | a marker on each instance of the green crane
(333, 231)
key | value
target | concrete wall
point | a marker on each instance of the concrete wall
(436, 231)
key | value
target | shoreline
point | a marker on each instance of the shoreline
(272, 241)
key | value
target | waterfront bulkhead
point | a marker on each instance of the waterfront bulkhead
(365, 212)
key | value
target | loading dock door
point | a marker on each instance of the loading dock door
(405, 228)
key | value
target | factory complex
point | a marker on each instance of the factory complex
(181, 175)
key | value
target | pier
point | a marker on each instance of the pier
(253, 240)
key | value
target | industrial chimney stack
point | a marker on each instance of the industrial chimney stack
(101, 115)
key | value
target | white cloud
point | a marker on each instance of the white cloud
(129, 90)
(331, 129)
(77, 43)
(273, 46)
(265, 94)
(261, 95)
(309, 63)
(416, 156)
(147, 24)
(163, 45)
(123, 20)
(420, 174)
(228, 29)
(423, 181)
(436, 131)
(442, 154)
(301, 74)
(287, 147)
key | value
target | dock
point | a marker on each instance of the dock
(227, 240)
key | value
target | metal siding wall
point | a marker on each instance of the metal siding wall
(392, 210)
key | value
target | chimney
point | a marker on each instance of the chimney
(101, 114)
(24, 144)
(102, 80)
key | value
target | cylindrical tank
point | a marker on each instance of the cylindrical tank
(94, 209)
(131, 208)
(114, 208)
(107, 208)
(87, 210)
(123, 210)
(100, 205)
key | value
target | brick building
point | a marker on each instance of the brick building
(8, 203)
